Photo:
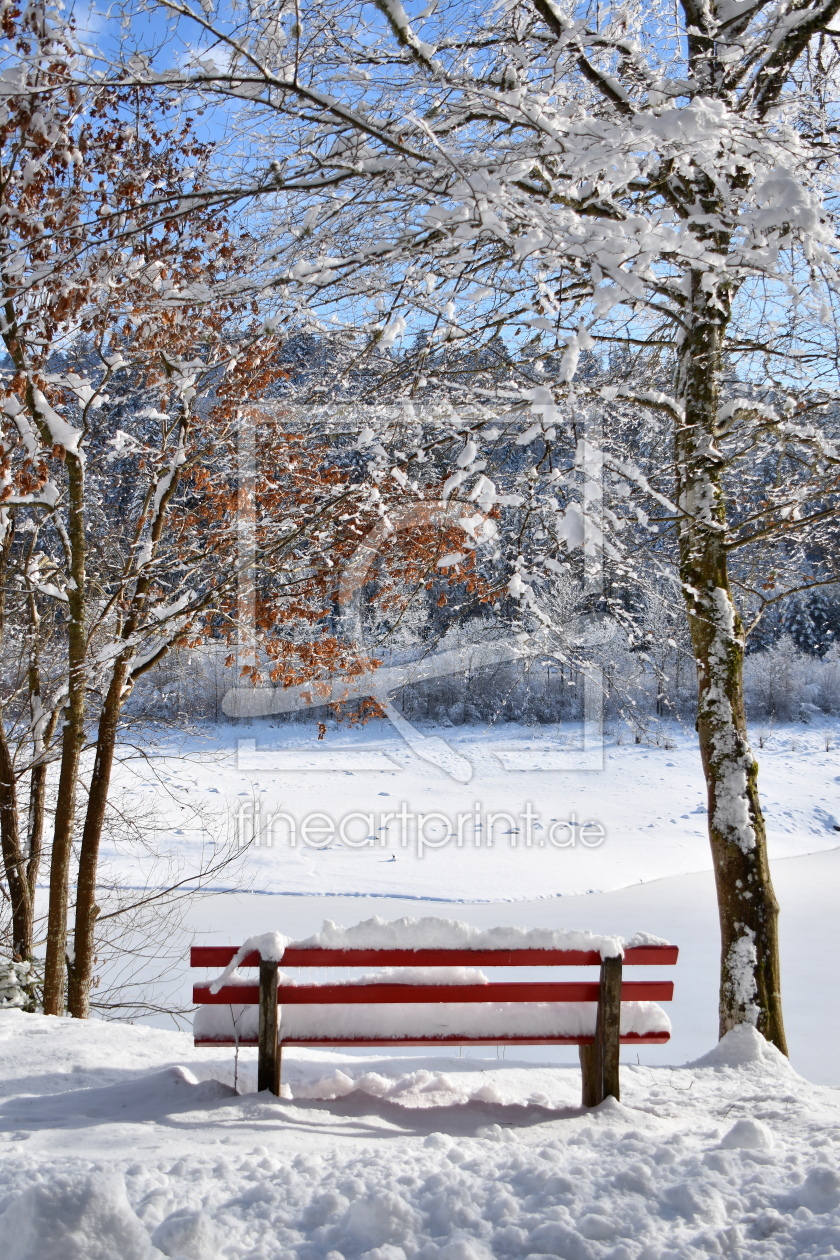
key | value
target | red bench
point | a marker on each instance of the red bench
(599, 1049)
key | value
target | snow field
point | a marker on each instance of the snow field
(649, 801)
(125, 1154)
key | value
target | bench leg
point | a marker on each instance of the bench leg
(268, 1062)
(589, 1073)
(608, 1030)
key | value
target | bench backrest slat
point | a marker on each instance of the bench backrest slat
(356, 994)
(640, 955)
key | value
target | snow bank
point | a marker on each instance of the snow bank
(393, 975)
(423, 1088)
(741, 1046)
(433, 933)
(410, 1020)
(449, 1159)
(74, 1218)
(157, 1094)
(418, 975)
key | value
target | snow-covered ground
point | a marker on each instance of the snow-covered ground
(124, 1142)
(646, 808)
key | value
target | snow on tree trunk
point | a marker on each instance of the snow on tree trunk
(747, 907)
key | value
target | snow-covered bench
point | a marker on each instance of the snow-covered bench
(428, 990)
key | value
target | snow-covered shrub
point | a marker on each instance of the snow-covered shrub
(773, 681)
(787, 684)
(188, 683)
(828, 684)
(16, 981)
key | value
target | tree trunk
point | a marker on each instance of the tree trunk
(43, 733)
(748, 910)
(80, 970)
(13, 858)
(72, 743)
(35, 824)
(14, 863)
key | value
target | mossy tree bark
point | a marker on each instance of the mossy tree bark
(750, 990)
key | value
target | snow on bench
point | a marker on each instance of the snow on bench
(429, 989)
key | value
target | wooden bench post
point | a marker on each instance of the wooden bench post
(589, 1073)
(268, 1062)
(608, 1031)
